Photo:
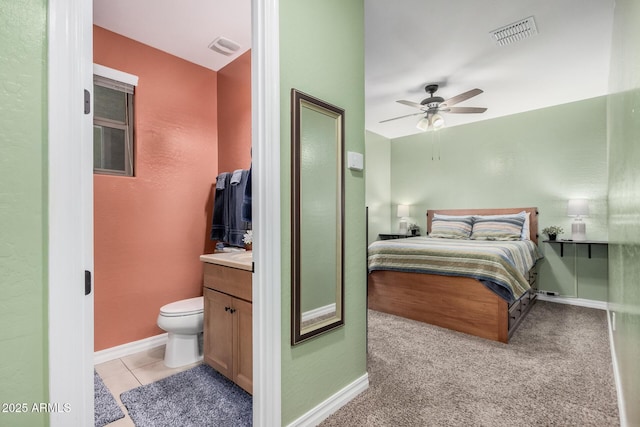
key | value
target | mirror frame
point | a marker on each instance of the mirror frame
(298, 333)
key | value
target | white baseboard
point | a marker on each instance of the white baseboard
(321, 412)
(318, 312)
(129, 348)
(581, 302)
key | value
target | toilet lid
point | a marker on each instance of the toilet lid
(183, 307)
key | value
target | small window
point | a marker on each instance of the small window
(112, 127)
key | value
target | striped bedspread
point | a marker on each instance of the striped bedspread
(501, 265)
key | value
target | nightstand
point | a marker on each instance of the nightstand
(576, 242)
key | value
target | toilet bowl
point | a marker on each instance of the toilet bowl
(183, 321)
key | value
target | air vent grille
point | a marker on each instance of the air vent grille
(515, 32)
(224, 46)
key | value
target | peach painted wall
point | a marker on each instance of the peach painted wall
(151, 229)
(234, 114)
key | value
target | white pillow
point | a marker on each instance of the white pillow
(526, 228)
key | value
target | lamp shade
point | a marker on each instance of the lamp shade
(403, 211)
(423, 124)
(433, 122)
(578, 207)
(437, 121)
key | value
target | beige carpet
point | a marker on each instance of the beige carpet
(556, 371)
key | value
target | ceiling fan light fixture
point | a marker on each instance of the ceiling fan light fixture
(437, 121)
(423, 124)
(431, 107)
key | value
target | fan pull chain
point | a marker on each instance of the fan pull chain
(435, 145)
(432, 146)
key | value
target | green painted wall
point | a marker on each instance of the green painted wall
(378, 178)
(624, 202)
(23, 209)
(539, 158)
(322, 54)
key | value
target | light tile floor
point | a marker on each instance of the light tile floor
(132, 371)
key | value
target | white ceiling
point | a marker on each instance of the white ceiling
(411, 43)
(182, 28)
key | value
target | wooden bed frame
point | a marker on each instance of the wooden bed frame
(453, 302)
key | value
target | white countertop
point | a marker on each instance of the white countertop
(241, 260)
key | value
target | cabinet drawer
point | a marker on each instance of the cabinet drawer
(515, 311)
(231, 281)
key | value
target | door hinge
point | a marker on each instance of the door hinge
(87, 102)
(87, 282)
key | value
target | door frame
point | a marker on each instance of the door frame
(70, 215)
(267, 294)
(70, 212)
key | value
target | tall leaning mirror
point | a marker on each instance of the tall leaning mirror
(317, 216)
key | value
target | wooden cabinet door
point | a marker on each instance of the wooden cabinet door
(243, 344)
(218, 330)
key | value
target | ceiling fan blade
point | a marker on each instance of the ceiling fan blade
(402, 117)
(464, 110)
(462, 97)
(411, 104)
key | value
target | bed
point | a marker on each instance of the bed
(424, 286)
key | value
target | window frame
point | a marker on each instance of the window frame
(125, 83)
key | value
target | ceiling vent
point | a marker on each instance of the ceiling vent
(515, 32)
(224, 46)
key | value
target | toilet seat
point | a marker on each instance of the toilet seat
(185, 307)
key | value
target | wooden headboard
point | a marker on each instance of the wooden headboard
(533, 219)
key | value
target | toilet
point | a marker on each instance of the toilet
(183, 321)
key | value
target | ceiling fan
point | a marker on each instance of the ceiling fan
(432, 106)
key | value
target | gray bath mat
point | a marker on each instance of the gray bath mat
(197, 397)
(106, 408)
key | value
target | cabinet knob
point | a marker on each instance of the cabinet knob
(227, 308)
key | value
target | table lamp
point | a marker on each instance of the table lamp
(403, 212)
(578, 208)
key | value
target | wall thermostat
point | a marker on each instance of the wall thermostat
(355, 161)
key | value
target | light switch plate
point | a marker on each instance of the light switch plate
(355, 161)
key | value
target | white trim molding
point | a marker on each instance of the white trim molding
(70, 213)
(267, 311)
(580, 302)
(321, 412)
(318, 312)
(113, 74)
(129, 348)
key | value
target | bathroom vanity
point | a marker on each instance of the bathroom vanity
(228, 346)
